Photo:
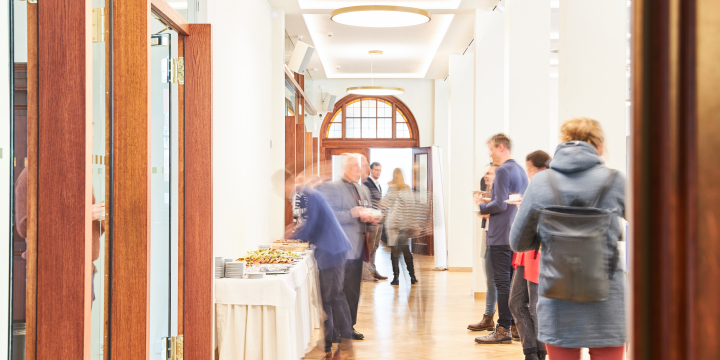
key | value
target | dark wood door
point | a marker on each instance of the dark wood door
(422, 186)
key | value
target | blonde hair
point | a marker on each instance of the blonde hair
(398, 179)
(583, 129)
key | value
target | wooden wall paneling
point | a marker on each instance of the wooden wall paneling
(170, 16)
(181, 194)
(299, 148)
(704, 17)
(64, 187)
(300, 78)
(669, 253)
(131, 181)
(198, 194)
(289, 161)
(32, 193)
(308, 154)
(299, 90)
(315, 159)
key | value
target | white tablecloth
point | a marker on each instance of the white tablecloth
(270, 318)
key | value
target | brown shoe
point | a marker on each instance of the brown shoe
(487, 324)
(379, 277)
(345, 351)
(501, 335)
(515, 333)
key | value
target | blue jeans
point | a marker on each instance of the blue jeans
(491, 297)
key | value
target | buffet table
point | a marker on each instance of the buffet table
(269, 318)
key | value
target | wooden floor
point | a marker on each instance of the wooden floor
(426, 321)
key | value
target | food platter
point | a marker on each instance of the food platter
(267, 256)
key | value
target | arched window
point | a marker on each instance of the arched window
(369, 121)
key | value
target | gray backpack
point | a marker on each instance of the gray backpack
(578, 258)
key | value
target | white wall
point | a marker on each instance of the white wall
(527, 76)
(461, 219)
(441, 125)
(418, 97)
(592, 79)
(242, 123)
(20, 30)
(276, 217)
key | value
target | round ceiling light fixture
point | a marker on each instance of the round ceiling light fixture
(380, 16)
(374, 90)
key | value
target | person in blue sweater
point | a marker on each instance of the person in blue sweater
(510, 179)
(317, 225)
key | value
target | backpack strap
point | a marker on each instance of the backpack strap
(553, 186)
(605, 188)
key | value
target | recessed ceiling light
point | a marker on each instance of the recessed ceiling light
(380, 16)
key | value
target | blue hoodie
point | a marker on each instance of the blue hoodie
(579, 172)
(321, 228)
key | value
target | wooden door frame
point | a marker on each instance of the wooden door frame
(197, 311)
(675, 199)
(130, 268)
(59, 180)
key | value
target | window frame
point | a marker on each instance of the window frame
(396, 105)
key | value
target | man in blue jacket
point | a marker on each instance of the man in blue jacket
(318, 226)
(510, 178)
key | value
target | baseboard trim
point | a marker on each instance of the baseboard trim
(461, 269)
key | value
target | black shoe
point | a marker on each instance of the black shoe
(531, 357)
(542, 355)
(411, 269)
(396, 270)
(357, 336)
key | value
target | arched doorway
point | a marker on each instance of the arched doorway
(360, 123)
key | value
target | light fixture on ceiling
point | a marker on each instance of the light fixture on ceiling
(380, 16)
(374, 90)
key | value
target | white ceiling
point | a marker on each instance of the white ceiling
(420, 51)
(407, 51)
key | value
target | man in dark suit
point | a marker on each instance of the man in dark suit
(374, 231)
(350, 202)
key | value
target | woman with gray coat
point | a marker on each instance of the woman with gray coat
(578, 172)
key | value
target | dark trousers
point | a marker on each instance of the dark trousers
(523, 304)
(351, 288)
(501, 257)
(334, 304)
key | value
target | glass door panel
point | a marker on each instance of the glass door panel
(23, 44)
(422, 186)
(163, 190)
(100, 162)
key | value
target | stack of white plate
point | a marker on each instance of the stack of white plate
(235, 269)
(256, 275)
(219, 268)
